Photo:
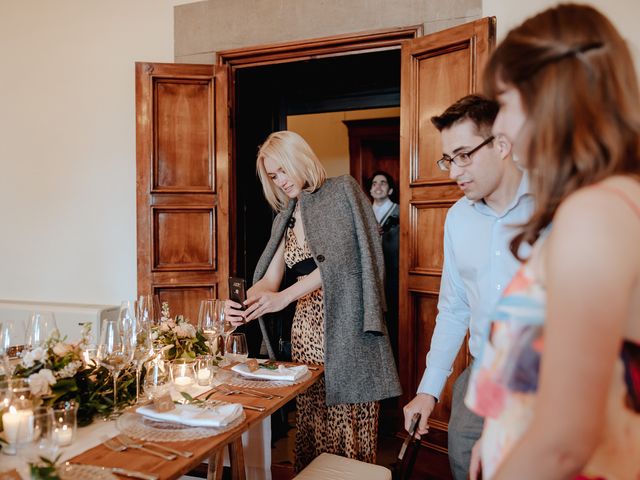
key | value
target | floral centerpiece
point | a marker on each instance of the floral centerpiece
(178, 338)
(57, 373)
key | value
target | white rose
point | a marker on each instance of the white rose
(154, 335)
(191, 330)
(40, 382)
(33, 356)
(182, 331)
(164, 327)
(61, 349)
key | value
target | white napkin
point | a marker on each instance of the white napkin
(195, 416)
(287, 374)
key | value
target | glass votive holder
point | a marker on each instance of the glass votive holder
(17, 422)
(157, 378)
(90, 356)
(64, 423)
(183, 374)
(205, 370)
(43, 441)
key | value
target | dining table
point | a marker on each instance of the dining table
(211, 449)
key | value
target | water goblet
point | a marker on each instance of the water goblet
(236, 348)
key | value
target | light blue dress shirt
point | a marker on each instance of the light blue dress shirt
(478, 265)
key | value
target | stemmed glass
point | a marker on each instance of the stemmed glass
(148, 309)
(210, 321)
(141, 341)
(41, 326)
(227, 328)
(114, 350)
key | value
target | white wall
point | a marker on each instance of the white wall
(67, 144)
(623, 13)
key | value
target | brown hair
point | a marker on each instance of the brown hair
(480, 110)
(579, 90)
(294, 155)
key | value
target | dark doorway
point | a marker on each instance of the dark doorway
(266, 95)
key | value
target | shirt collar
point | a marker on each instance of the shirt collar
(523, 191)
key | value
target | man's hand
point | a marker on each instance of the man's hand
(476, 463)
(423, 404)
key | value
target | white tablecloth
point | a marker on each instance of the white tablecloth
(256, 442)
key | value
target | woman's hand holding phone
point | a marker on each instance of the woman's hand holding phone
(260, 303)
(234, 313)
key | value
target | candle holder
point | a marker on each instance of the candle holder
(64, 423)
(205, 369)
(17, 422)
(157, 378)
(183, 374)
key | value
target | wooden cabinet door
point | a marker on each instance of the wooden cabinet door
(182, 166)
(437, 70)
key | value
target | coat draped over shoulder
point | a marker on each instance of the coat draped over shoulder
(342, 234)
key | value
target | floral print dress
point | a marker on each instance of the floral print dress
(504, 383)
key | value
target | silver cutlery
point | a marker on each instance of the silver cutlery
(266, 395)
(254, 407)
(133, 474)
(112, 446)
(182, 453)
(137, 446)
(248, 393)
(124, 472)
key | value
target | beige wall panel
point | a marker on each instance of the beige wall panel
(216, 25)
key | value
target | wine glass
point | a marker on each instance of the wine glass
(210, 321)
(114, 351)
(227, 328)
(143, 349)
(148, 309)
(236, 348)
(41, 326)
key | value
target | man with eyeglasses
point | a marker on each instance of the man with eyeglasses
(477, 261)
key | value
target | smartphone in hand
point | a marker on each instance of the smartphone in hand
(237, 290)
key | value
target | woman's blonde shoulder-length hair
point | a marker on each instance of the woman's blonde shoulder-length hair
(294, 155)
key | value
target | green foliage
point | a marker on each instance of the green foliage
(45, 469)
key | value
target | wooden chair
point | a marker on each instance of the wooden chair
(333, 467)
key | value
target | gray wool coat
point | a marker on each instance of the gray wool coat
(342, 234)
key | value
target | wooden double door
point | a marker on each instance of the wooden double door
(185, 178)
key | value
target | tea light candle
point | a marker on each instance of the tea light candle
(63, 436)
(18, 427)
(204, 374)
(183, 381)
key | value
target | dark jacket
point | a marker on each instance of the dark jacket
(342, 234)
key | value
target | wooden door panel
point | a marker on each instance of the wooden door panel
(437, 70)
(184, 115)
(182, 140)
(185, 300)
(184, 238)
(441, 79)
(428, 256)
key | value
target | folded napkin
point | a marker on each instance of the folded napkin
(287, 374)
(195, 416)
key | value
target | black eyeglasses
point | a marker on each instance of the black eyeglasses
(461, 159)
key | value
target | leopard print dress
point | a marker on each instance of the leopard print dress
(349, 430)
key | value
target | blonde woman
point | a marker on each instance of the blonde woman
(325, 234)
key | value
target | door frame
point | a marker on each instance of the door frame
(346, 44)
